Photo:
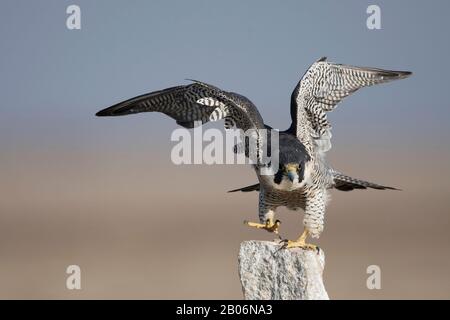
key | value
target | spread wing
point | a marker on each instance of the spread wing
(323, 86)
(197, 103)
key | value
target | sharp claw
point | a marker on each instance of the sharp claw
(284, 243)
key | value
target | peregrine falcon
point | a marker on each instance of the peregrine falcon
(303, 178)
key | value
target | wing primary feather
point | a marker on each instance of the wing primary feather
(347, 183)
(254, 187)
(142, 103)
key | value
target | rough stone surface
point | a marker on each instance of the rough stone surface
(268, 272)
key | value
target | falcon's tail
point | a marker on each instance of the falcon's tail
(341, 182)
(254, 187)
(346, 183)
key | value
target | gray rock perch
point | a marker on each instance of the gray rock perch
(268, 273)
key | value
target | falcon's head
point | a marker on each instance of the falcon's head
(293, 160)
(290, 176)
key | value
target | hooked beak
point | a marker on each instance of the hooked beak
(292, 175)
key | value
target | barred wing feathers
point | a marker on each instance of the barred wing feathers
(322, 87)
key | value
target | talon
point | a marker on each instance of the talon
(306, 246)
(269, 226)
(301, 243)
(284, 243)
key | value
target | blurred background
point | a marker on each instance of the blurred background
(104, 195)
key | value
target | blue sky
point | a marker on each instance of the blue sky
(53, 79)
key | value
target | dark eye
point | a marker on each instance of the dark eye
(301, 171)
(278, 176)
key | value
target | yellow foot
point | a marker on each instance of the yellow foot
(298, 244)
(301, 243)
(270, 225)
